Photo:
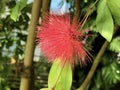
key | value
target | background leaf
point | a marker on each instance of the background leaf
(15, 11)
(114, 6)
(22, 4)
(110, 75)
(104, 21)
(115, 45)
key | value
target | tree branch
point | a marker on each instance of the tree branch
(76, 17)
(30, 45)
(77, 11)
(45, 8)
(95, 64)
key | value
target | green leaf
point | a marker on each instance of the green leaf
(104, 21)
(114, 6)
(85, 1)
(54, 74)
(45, 89)
(98, 81)
(15, 11)
(115, 45)
(60, 77)
(109, 73)
(23, 3)
(65, 79)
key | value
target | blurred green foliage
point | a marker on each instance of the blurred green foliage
(13, 39)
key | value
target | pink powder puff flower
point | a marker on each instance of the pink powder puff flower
(58, 38)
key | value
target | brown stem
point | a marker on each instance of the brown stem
(94, 66)
(95, 63)
(45, 8)
(30, 45)
(77, 11)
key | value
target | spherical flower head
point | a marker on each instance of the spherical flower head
(58, 38)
